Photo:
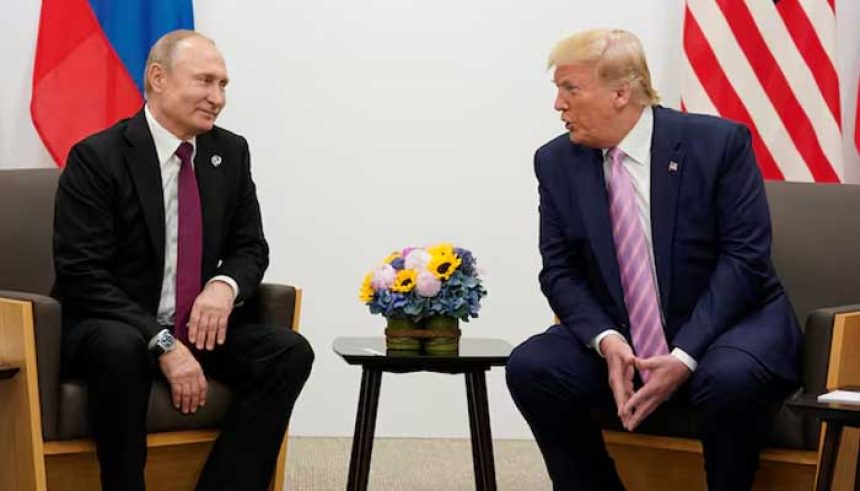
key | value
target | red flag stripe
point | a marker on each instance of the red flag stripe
(80, 85)
(857, 121)
(724, 97)
(810, 48)
(778, 90)
(69, 27)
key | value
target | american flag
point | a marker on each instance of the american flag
(771, 65)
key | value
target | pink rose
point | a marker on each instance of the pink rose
(427, 285)
(383, 277)
(417, 260)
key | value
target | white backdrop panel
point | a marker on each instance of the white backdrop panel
(384, 123)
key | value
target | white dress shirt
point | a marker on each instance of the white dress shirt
(636, 146)
(166, 144)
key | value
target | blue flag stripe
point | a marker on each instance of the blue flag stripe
(133, 26)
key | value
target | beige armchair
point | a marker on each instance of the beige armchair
(44, 442)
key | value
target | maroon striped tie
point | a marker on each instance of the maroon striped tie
(189, 254)
(631, 250)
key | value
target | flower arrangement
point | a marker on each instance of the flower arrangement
(418, 283)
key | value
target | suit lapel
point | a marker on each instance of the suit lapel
(667, 167)
(590, 187)
(145, 171)
(209, 183)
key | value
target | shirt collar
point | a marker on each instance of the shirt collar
(166, 142)
(637, 143)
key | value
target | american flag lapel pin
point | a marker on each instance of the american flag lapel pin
(673, 166)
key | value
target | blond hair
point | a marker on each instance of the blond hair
(164, 51)
(617, 56)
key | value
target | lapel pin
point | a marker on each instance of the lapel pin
(216, 160)
(673, 166)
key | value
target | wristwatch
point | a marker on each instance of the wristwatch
(162, 342)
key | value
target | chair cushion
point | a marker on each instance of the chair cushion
(161, 415)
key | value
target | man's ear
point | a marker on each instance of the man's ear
(155, 74)
(622, 94)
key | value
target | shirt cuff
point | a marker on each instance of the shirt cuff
(230, 281)
(685, 359)
(595, 343)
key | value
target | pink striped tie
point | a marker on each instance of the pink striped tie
(631, 250)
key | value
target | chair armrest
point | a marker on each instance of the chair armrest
(273, 304)
(818, 339)
(817, 347)
(47, 324)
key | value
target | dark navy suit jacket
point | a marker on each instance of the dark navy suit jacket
(711, 237)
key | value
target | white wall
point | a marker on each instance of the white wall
(384, 123)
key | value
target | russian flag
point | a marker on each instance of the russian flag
(89, 65)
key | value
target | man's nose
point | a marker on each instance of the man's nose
(217, 96)
(560, 104)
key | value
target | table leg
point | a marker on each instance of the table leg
(828, 456)
(365, 425)
(479, 426)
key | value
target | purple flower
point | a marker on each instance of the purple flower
(383, 277)
(427, 285)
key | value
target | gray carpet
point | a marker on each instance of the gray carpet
(412, 464)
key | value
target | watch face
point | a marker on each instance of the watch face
(166, 342)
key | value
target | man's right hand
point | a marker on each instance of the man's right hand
(621, 364)
(187, 382)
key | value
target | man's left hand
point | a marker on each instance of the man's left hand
(209, 314)
(666, 374)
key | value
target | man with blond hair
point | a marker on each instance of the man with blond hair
(157, 236)
(655, 237)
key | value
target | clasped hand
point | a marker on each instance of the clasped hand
(665, 374)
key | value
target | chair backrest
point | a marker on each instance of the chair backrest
(26, 229)
(816, 243)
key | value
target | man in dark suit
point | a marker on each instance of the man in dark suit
(157, 236)
(655, 237)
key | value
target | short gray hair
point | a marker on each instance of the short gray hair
(164, 50)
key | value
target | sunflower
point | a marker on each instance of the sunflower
(443, 266)
(365, 294)
(443, 249)
(404, 281)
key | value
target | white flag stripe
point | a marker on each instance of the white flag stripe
(824, 22)
(800, 79)
(696, 100)
(770, 126)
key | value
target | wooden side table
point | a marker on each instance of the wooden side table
(473, 359)
(837, 416)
